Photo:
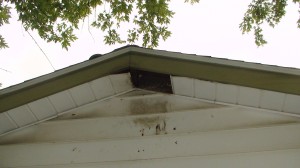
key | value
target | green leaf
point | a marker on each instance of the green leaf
(3, 44)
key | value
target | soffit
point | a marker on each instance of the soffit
(237, 95)
(56, 104)
(88, 94)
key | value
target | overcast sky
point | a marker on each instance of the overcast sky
(208, 28)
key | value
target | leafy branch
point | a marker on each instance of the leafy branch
(56, 20)
(263, 11)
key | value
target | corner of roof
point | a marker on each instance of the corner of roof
(127, 47)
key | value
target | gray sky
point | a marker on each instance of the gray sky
(208, 28)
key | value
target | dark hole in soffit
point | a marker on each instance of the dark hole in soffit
(151, 81)
(145, 79)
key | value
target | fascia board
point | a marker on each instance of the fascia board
(62, 72)
(222, 73)
(218, 61)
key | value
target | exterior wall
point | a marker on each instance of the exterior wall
(148, 129)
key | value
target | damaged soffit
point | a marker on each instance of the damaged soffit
(139, 61)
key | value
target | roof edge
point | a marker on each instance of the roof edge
(260, 76)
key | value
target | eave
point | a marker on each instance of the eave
(285, 80)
